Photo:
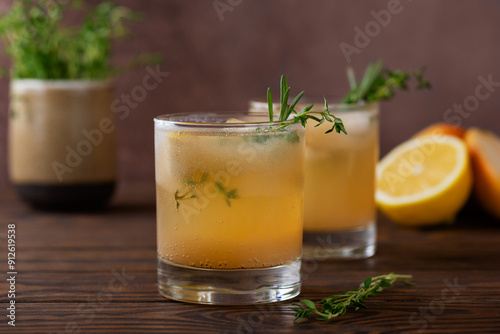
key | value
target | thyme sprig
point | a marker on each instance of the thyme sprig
(228, 194)
(337, 305)
(381, 84)
(179, 197)
(191, 191)
(302, 116)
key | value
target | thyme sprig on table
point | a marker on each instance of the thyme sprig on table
(381, 84)
(300, 116)
(337, 305)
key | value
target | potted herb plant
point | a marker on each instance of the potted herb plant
(62, 145)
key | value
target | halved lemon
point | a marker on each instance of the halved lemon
(424, 181)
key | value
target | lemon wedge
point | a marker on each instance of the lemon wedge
(424, 181)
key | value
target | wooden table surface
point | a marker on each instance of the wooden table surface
(96, 273)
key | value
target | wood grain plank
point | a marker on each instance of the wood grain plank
(173, 317)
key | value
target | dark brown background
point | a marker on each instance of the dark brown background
(219, 65)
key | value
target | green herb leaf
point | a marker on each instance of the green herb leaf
(270, 104)
(367, 282)
(220, 186)
(283, 90)
(309, 303)
(193, 184)
(232, 194)
(228, 195)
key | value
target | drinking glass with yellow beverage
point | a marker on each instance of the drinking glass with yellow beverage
(229, 208)
(339, 211)
(339, 185)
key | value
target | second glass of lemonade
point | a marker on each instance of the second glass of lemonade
(339, 210)
(229, 208)
(339, 186)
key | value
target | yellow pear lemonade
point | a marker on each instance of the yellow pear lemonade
(230, 194)
(230, 198)
(345, 199)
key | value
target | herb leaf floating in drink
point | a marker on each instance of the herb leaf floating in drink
(193, 183)
(228, 195)
(300, 116)
(337, 305)
(381, 84)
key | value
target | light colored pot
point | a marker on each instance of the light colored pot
(61, 136)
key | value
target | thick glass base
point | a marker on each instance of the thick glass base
(228, 287)
(357, 243)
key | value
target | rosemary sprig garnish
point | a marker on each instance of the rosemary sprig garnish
(302, 116)
(337, 305)
(381, 84)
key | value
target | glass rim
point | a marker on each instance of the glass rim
(165, 119)
(306, 100)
